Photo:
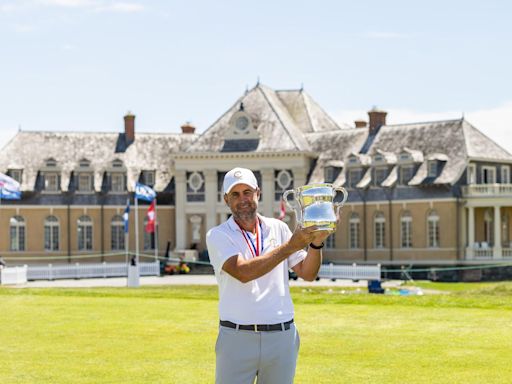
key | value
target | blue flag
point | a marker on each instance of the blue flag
(9, 188)
(143, 192)
(126, 216)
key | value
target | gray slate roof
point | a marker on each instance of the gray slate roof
(150, 151)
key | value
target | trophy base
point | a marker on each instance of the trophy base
(322, 225)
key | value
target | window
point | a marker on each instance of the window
(489, 227)
(85, 182)
(380, 175)
(17, 233)
(405, 157)
(488, 175)
(15, 174)
(51, 234)
(51, 182)
(406, 174)
(117, 233)
(84, 163)
(471, 174)
(352, 160)
(354, 177)
(433, 229)
(329, 174)
(330, 242)
(354, 231)
(195, 186)
(505, 174)
(84, 229)
(148, 178)
(283, 181)
(406, 230)
(432, 168)
(378, 158)
(379, 230)
(51, 163)
(117, 182)
(117, 163)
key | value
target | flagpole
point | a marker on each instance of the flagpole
(127, 239)
(156, 233)
(136, 232)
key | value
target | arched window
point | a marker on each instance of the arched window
(489, 227)
(379, 230)
(117, 233)
(84, 230)
(17, 233)
(433, 229)
(354, 230)
(406, 229)
(51, 234)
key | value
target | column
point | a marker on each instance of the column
(497, 254)
(180, 203)
(267, 189)
(471, 232)
(210, 176)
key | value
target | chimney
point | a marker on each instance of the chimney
(188, 128)
(360, 123)
(129, 127)
(377, 119)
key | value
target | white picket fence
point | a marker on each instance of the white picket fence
(13, 275)
(350, 272)
(84, 271)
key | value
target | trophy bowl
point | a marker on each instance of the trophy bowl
(314, 205)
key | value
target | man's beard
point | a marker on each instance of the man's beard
(247, 213)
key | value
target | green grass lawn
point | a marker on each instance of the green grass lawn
(167, 335)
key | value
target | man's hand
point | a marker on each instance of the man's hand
(320, 236)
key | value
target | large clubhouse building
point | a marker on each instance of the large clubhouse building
(433, 193)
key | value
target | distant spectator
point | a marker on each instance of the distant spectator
(2, 262)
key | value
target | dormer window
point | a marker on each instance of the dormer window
(432, 168)
(353, 160)
(84, 163)
(148, 178)
(406, 174)
(51, 163)
(117, 163)
(51, 182)
(378, 158)
(404, 157)
(15, 174)
(380, 175)
(329, 174)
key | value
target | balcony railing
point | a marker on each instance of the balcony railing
(487, 190)
(488, 253)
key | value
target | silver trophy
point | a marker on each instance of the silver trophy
(314, 205)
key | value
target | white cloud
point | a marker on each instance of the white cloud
(494, 122)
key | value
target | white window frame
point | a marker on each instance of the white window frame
(402, 169)
(379, 230)
(52, 186)
(117, 235)
(471, 174)
(84, 232)
(148, 178)
(51, 234)
(406, 230)
(353, 229)
(17, 234)
(351, 173)
(505, 174)
(491, 171)
(377, 172)
(16, 174)
(118, 186)
(88, 184)
(433, 229)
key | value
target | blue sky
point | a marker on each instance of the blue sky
(82, 64)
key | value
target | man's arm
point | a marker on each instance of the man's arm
(248, 270)
(308, 268)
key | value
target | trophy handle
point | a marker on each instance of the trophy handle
(285, 197)
(340, 204)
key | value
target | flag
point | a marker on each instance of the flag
(126, 216)
(143, 192)
(150, 226)
(9, 188)
(282, 210)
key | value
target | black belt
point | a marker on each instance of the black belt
(258, 327)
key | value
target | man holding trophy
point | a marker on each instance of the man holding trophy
(251, 255)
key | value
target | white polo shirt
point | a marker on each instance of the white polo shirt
(265, 300)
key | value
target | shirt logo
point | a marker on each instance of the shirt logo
(273, 242)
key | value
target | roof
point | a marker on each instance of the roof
(150, 151)
(281, 118)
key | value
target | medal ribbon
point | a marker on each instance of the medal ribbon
(256, 249)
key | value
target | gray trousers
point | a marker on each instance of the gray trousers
(244, 355)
